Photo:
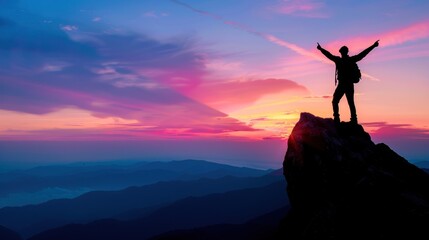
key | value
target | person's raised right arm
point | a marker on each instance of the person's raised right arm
(326, 53)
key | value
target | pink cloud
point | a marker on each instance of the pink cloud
(128, 76)
(405, 139)
(228, 94)
(404, 52)
(210, 128)
(162, 108)
(413, 32)
(385, 130)
(157, 120)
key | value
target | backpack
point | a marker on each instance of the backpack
(352, 70)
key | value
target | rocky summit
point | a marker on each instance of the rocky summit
(341, 185)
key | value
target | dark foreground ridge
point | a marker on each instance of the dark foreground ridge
(7, 234)
(343, 186)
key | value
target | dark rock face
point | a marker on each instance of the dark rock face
(343, 186)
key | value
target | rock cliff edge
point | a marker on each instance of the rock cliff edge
(341, 185)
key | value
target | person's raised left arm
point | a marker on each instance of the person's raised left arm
(365, 52)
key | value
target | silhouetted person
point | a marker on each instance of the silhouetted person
(344, 77)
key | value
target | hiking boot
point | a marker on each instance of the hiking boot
(337, 120)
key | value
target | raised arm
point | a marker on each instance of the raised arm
(326, 53)
(365, 52)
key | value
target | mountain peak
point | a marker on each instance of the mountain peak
(341, 185)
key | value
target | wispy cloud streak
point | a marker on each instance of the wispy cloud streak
(269, 37)
(412, 32)
(300, 8)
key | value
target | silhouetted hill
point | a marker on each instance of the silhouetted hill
(343, 186)
(75, 179)
(261, 228)
(278, 172)
(7, 234)
(231, 207)
(32, 219)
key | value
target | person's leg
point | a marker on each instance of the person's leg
(351, 101)
(338, 94)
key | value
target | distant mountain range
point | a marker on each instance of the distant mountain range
(7, 234)
(262, 227)
(232, 207)
(44, 183)
(132, 202)
(125, 204)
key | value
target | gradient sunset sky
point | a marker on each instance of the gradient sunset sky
(218, 80)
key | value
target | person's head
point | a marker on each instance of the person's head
(344, 50)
